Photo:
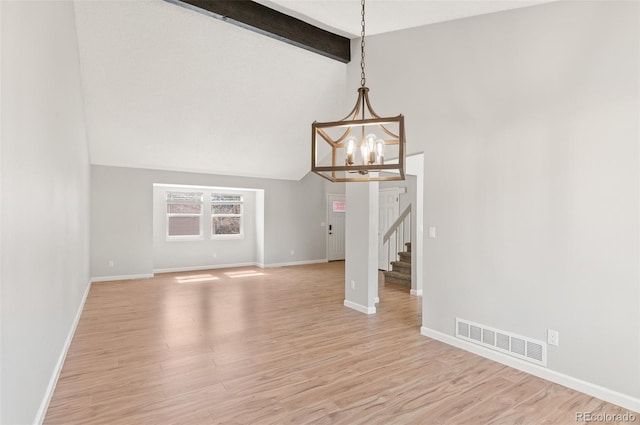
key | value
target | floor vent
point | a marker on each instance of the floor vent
(528, 349)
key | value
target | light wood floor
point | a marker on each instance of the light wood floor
(276, 346)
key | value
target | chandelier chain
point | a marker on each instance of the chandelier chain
(363, 79)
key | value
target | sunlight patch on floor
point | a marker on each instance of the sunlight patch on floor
(245, 273)
(196, 278)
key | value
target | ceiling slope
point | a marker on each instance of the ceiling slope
(168, 88)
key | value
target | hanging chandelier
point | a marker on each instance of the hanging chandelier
(355, 147)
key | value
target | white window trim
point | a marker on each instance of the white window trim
(241, 216)
(183, 238)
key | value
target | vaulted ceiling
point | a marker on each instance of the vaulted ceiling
(343, 16)
(168, 88)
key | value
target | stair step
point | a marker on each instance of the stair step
(405, 256)
(401, 266)
(397, 278)
(408, 245)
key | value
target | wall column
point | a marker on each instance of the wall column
(361, 246)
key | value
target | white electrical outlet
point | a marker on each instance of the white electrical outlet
(293, 252)
(215, 254)
(432, 232)
(553, 337)
(111, 263)
(353, 284)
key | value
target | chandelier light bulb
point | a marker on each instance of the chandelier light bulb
(371, 140)
(380, 151)
(364, 151)
(351, 147)
(371, 148)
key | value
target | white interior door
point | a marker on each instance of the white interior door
(388, 212)
(335, 227)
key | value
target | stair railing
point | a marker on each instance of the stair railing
(398, 229)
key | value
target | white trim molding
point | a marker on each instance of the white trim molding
(42, 411)
(292, 263)
(359, 307)
(121, 277)
(416, 292)
(624, 400)
(217, 266)
(208, 267)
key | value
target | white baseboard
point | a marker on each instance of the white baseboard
(416, 292)
(42, 411)
(209, 267)
(359, 307)
(121, 277)
(292, 263)
(624, 400)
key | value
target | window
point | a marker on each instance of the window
(184, 215)
(226, 216)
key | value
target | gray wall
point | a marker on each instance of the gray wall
(122, 217)
(45, 200)
(361, 246)
(529, 124)
(168, 254)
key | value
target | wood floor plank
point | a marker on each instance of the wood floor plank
(277, 346)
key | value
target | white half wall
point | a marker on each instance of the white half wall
(529, 124)
(45, 202)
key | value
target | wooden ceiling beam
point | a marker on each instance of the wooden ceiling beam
(256, 17)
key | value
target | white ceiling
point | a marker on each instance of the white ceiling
(343, 16)
(169, 88)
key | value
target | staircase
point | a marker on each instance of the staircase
(400, 273)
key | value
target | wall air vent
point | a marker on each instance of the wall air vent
(524, 348)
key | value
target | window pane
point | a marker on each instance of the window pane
(226, 209)
(223, 197)
(184, 196)
(184, 226)
(225, 225)
(184, 208)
